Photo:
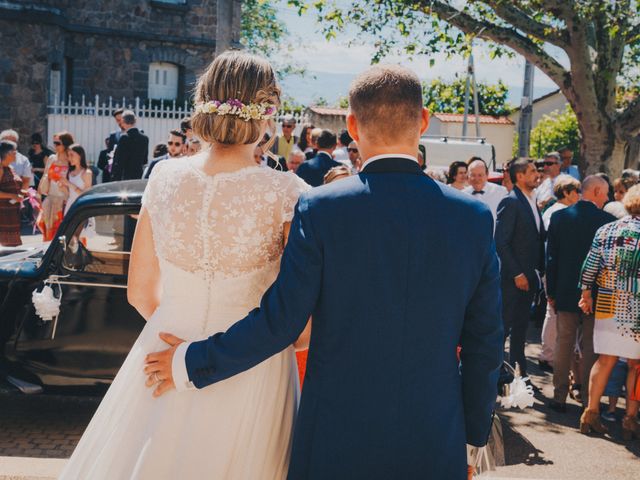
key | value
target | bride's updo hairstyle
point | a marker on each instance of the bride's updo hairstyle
(234, 75)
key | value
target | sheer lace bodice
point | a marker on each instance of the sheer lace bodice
(225, 225)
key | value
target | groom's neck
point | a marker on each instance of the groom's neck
(372, 150)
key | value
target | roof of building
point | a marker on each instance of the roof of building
(329, 111)
(443, 117)
(484, 119)
(539, 99)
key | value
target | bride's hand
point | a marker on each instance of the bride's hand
(158, 366)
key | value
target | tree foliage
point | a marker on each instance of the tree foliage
(553, 131)
(448, 97)
(598, 40)
(263, 33)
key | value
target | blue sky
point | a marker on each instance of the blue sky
(333, 63)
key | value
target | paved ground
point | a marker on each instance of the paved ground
(539, 443)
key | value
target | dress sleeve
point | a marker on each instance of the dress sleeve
(295, 187)
(152, 193)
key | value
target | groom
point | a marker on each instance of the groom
(385, 395)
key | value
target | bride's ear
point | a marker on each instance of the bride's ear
(352, 126)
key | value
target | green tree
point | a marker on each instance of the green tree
(589, 48)
(553, 131)
(448, 97)
(263, 33)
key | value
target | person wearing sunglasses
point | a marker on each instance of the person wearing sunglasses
(354, 157)
(283, 144)
(50, 186)
(175, 149)
(551, 171)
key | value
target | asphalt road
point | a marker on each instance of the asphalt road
(539, 443)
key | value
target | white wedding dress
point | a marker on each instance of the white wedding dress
(219, 241)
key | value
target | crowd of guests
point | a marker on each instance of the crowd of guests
(577, 244)
(46, 183)
(573, 242)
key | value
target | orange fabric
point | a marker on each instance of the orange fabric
(301, 357)
(635, 393)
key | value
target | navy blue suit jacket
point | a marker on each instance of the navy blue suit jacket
(313, 171)
(520, 245)
(384, 394)
(571, 232)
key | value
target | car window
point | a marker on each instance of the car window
(101, 244)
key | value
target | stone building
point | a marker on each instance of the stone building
(152, 49)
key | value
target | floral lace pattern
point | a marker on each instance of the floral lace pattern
(228, 224)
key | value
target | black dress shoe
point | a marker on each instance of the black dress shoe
(545, 366)
(558, 407)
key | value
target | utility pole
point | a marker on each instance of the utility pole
(526, 111)
(470, 83)
(465, 119)
(476, 107)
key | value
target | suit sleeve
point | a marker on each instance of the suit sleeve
(482, 345)
(552, 257)
(505, 227)
(278, 321)
(119, 159)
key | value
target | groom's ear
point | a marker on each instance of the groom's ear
(425, 121)
(352, 126)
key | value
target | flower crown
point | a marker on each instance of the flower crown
(233, 106)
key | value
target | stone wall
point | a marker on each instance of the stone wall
(107, 45)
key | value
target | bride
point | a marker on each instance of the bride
(207, 246)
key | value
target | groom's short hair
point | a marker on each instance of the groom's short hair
(387, 95)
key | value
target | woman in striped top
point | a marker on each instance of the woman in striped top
(613, 266)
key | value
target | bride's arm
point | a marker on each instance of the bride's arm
(302, 343)
(143, 290)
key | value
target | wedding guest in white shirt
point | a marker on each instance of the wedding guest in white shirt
(483, 190)
(552, 165)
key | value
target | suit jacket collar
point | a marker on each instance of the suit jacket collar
(523, 199)
(393, 165)
(324, 155)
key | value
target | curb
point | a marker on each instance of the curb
(28, 468)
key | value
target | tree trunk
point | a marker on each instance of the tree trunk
(601, 150)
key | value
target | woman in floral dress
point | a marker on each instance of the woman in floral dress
(56, 170)
(613, 267)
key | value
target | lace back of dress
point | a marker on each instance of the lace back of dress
(223, 226)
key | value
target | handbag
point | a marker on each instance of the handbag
(43, 186)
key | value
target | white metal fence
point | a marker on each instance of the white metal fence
(90, 122)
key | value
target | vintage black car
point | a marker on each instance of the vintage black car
(88, 261)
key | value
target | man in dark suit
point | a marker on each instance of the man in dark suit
(175, 149)
(384, 394)
(313, 171)
(114, 137)
(571, 232)
(520, 243)
(131, 152)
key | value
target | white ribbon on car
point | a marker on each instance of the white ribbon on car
(45, 302)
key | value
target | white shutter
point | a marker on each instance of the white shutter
(163, 81)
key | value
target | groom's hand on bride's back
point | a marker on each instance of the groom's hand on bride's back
(158, 366)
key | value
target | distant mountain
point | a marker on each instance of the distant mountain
(309, 89)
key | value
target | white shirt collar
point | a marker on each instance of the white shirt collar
(388, 155)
